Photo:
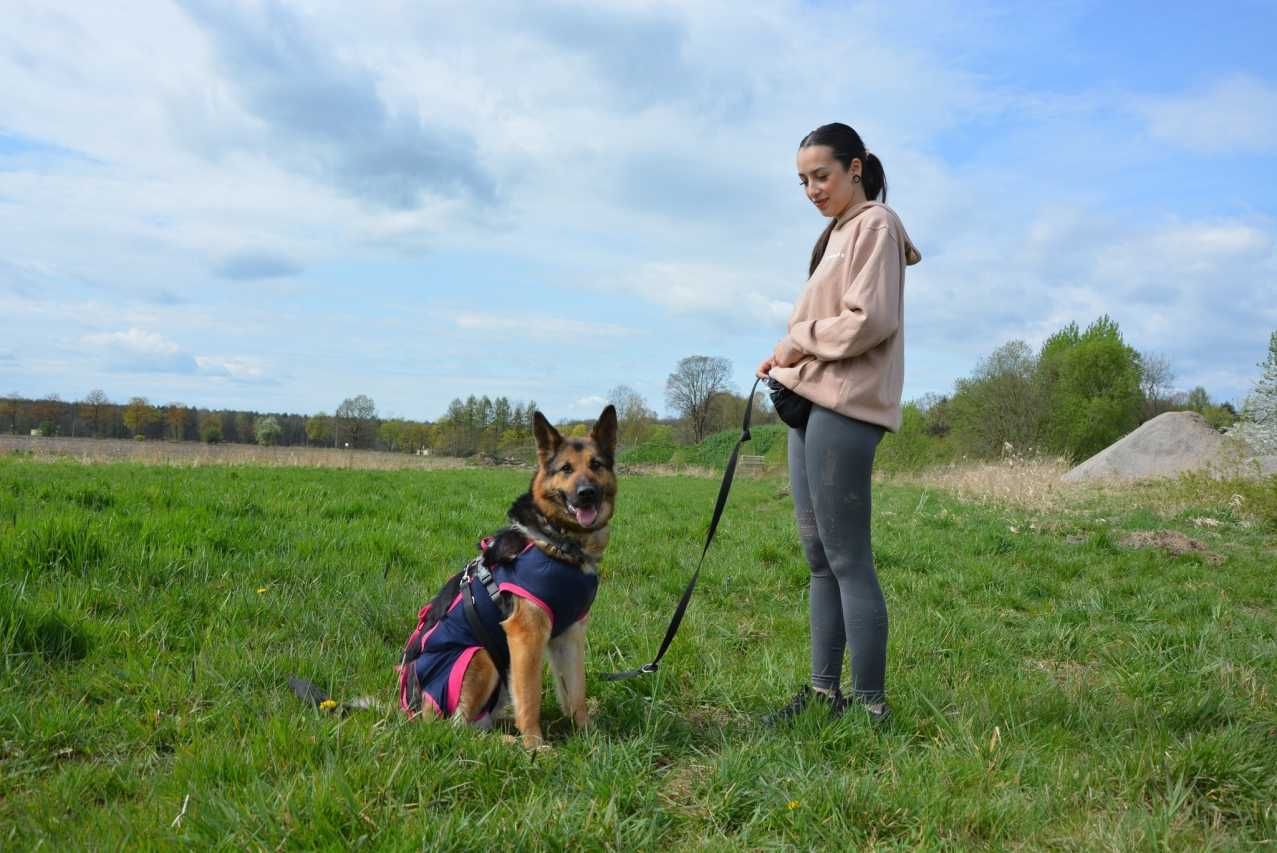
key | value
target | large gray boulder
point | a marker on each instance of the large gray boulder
(1171, 444)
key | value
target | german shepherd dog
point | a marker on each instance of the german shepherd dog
(565, 514)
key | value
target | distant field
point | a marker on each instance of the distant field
(1066, 672)
(197, 453)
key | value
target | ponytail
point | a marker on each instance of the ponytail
(874, 178)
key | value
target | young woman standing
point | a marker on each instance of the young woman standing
(844, 351)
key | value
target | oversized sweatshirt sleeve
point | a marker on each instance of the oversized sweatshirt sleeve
(870, 306)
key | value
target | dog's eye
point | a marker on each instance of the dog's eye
(595, 465)
(566, 469)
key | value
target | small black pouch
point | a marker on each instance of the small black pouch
(792, 408)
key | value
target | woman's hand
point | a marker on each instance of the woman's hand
(765, 367)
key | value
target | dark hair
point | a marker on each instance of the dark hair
(847, 146)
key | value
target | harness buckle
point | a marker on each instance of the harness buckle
(475, 570)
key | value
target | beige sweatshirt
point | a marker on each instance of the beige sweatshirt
(845, 348)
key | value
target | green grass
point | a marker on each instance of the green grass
(1052, 688)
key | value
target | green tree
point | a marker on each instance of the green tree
(211, 428)
(936, 414)
(244, 426)
(909, 448)
(319, 429)
(1092, 386)
(1198, 400)
(138, 415)
(1000, 404)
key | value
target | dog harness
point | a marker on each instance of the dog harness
(439, 657)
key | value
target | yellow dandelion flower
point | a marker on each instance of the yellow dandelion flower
(260, 590)
(792, 804)
(327, 705)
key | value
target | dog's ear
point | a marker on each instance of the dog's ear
(548, 438)
(604, 432)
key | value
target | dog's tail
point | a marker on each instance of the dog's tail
(313, 694)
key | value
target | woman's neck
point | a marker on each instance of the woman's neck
(857, 197)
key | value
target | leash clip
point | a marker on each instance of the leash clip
(648, 668)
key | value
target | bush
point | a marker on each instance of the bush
(912, 447)
(268, 430)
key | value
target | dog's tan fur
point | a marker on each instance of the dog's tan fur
(564, 465)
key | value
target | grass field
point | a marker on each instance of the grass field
(1053, 687)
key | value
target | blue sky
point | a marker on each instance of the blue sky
(274, 206)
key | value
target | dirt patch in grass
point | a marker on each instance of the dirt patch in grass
(1171, 541)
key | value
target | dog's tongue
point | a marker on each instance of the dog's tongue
(585, 515)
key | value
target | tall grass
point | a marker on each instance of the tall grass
(1052, 687)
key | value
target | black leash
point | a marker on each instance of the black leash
(709, 537)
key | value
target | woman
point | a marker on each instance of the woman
(844, 352)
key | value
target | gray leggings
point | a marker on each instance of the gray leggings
(830, 462)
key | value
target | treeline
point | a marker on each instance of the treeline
(96, 416)
(1079, 393)
(479, 425)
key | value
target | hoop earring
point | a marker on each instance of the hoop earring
(855, 179)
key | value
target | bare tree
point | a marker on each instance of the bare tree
(176, 415)
(9, 411)
(1155, 383)
(633, 417)
(47, 413)
(93, 409)
(690, 389)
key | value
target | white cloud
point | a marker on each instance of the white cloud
(1236, 114)
(134, 341)
(236, 368)
(539, 327)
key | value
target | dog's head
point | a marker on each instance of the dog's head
(575, 484)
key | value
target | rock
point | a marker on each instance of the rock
(1170, 444)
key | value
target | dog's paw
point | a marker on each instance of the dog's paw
(532, 743)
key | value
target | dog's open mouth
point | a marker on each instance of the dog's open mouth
(585, 515)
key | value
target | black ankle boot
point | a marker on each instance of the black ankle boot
(802, 699)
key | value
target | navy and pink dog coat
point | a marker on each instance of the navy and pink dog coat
(438, 657)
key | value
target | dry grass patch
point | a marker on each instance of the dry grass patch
(190, 454)
(1030, 484)
(1034, 485)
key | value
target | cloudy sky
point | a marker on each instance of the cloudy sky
(276, 205)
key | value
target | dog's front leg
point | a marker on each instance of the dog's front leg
(567, 664)
(527, 631)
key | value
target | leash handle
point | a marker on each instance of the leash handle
(719, 505)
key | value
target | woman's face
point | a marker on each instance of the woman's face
(828, 184)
